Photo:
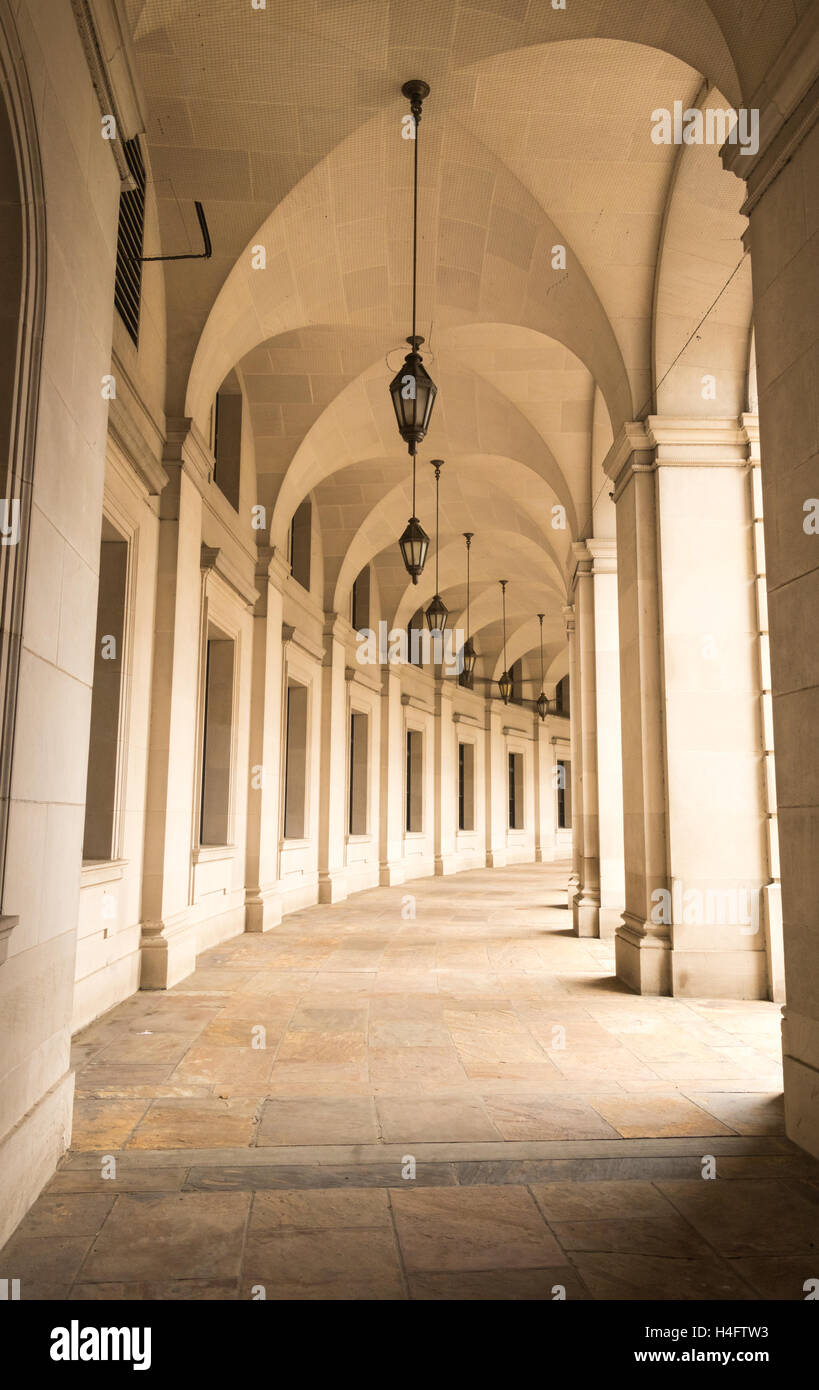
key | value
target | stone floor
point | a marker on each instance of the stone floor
(433, 1091)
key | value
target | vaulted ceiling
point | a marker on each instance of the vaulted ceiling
(286, 123)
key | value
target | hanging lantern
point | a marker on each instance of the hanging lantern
(437, 613)
(469, 654)
(414, 545)
(505, 682)
(412, 389)
(542, 701)
(413, 395)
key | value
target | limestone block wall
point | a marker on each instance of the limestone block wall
(50, 751)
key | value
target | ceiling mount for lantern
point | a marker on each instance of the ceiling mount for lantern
(437, 613)
(505, 682)
(469, 655)
(412, 389)
(542, 700)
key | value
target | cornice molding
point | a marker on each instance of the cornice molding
(300, 639)
(130, 440)
(788, 106)
(213, 558)
(113, 73)
(186, 447)
(415, 702)
(643, 446)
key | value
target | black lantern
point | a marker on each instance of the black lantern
(505, 682)
(469, 655)
(412, 389)
(437, 613)
(413, 395)
(414, 545)
(542, 701)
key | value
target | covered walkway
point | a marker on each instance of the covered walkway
(430, 1093)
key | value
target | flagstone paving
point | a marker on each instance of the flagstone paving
(433, 1091)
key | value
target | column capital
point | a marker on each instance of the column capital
(569, 619)
(661, 441)
(596, 555)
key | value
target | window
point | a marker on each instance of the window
(227, 440)
(516, 672)
(515, 791)
(130, 233)
(466, 786)
(415, 774)
(358, 773)
(564, 795)
(217, 739)
(360, 615)
(562, 695)
(295, 763)
(300, 533)
(106, 699)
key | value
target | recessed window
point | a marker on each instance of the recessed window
(516, 672)
(564, 794)
(359, 733)
(227, 439)
(300, 539)
(415, 776)
(130, 235)
(361, 600)
(466, 786)
(515, 791)
(295, 762)
(562, 695)
(106, 699)
(217, 739)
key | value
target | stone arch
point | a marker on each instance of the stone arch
(23, 296)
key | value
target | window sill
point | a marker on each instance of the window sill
(101, 871)
(212, 854)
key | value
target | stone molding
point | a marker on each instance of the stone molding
(300, 639)
(113, 74)
(788, 105)
(213, 558)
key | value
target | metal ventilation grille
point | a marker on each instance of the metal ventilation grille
(128, 283)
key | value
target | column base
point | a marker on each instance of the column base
(332, 887)
(585, 915)
(263, 910)
(496, 859)
(391, 875)
(642, 962)
(572, 889)
(719, 974)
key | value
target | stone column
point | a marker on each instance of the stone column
(545, 798)
(783, 210)
(333, 773)
(446, 779)
(586, 903)
(643, 945)
(497, 793)
(391, 795)
(603, 553)
(263, 905)
(576, 756)
(168, 947)
(691, 710)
